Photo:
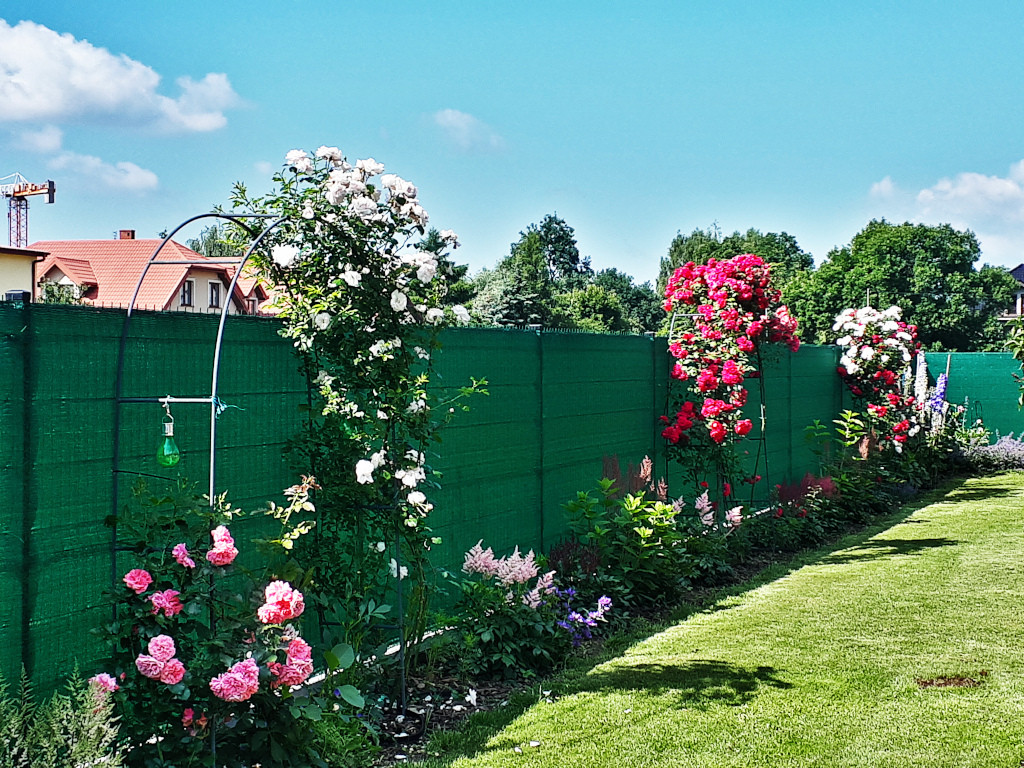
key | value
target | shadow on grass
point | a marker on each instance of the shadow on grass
(982, 493)
(696, 684)
(701, 683)
(875, 549)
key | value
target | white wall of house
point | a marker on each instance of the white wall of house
(15, 273)
(201, 280)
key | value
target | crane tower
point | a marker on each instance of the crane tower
(17, 189)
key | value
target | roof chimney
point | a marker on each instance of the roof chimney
(126, 234)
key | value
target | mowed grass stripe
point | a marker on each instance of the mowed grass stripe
(819, 667)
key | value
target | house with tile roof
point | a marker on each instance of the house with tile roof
(106, 273)
(17, 269)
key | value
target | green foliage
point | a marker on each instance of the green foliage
(216, 242)
(592, 308)
(73, 728)
(927, 270)
(638, 543)
(59, 293)
(641, 306)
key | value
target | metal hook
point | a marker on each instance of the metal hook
(166, 402)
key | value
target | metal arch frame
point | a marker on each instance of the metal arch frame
(257, 237)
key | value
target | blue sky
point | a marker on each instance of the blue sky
(632, 121)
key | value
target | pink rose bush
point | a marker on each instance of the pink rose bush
(184, 635)
(723, 311)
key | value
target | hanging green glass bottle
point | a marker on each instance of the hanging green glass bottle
(168, 454)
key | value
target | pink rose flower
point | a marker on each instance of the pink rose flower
(138, 580)
(291, 673)
(282, 603)
(162, 648)
(180, 553)
(167, 601)
(221, 536)
(173, 672)
(222, 555)
(299, 650)
(104, 682)
(239, 683)
(149, 666)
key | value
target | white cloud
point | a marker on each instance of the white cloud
(51, 77)
(264, 168)
(121, 175)
(466, 131)
(990, 206)
(45, 140)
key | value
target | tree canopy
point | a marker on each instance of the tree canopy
(926, 270)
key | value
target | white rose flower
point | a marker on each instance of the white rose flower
(322, 320)
(867, 352)
(363, 207)
(369, 167)
(450, 237)
(330, 153)
(380, 546)
(307, 210)
(351, 277)
(461, 314)
(417, 497)
(395, 571)
(364, 472)
(377, 459)
(435, 315)
(426, 272)
(299, 160)
(284, 255)
(843, 341)
(399, 301)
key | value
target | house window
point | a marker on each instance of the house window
(252, 306)
(214, 295)
(186, 293)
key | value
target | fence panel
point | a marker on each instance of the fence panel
(558, 403)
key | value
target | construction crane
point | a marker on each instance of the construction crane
(17, 189)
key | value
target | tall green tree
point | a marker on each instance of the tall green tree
(568, 270)
(519, 290)
(926, 270)
(641, 306)
(593, 308)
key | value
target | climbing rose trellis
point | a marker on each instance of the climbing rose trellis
(361, 293)
(878, 348)
(723, 311)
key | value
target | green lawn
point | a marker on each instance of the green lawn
(819, 667)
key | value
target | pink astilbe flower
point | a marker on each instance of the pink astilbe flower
(148, 666)
(173, 672)
(282, 603)
(734, 516)
(705, 509)
(516, 569)
(162, 648)
(479, 560)
(224, 551)
(239, 683)
(138, 580)
(545, 586)
(103, 682)
(166, 601)
(180, 553)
